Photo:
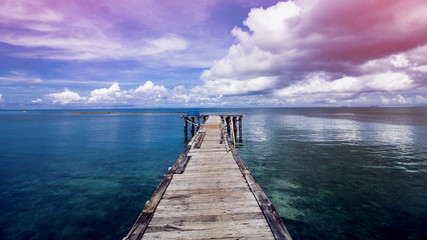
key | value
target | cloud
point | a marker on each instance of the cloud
(1, 97)
(224, 86)
(146, 94)
(65, 97)
(403, 100)
(14, 77)
(27, 11)
(420, 99)
(316, 89)
(398, 99)
(165, 44)
(68, 31)
(105, 94)
(149, 91)
(97, 46)
(330, 50)
(399, 60)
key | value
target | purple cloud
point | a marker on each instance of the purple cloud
(315, 47)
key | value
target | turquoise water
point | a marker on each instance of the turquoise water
(332, 173)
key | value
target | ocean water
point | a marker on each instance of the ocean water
(332, 173)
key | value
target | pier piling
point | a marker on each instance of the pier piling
(240, 128)
(192, 126)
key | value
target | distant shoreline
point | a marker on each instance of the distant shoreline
(99, 113)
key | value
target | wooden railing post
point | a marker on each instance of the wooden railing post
(198, 123)
(185, 128)
(234, 127)
(240, 128)
(227, 119)
(192, 126)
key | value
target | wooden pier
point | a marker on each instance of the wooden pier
(231, 122)
(209, 193)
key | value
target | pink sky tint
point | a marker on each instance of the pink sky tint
(311, 47)
(362, 30)
(207, 52)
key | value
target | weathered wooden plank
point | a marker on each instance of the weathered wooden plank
(212, 137)
(213, 176)
(178, 237)
(208, 174)
(210, 171)
(211, 199)
(201, 181)
(209, 150)
(207, 163)
(218, 154)
(200, 208)
(203, 178)
(258, 224)
(205, 147)
(199, 139)
(147, 213)
(216, 169)
(199, 212)
(206, 186)
(182, 165)
(245, 233)
(226, 192)
(181, 162)
(207, 224)
(208, 218)
(211, 160)
(229, 190)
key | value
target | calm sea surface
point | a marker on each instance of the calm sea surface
(332, 173)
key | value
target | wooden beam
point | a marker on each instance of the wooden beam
(138, 229)
(199, 139)
(181, 163)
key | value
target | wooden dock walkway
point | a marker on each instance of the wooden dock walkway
(209, 193)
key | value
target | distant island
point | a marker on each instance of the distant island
(123, 112)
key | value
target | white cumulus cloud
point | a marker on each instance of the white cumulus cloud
(145, 94)
(65, 97)
(105, 94)
(399, 99)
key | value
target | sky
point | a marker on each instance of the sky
(217, 53)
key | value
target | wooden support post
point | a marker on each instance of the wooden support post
(240, 128)
(227, 119)
(185, 128)
(234, 127)
(192, 126)
(233, 133)
(198, 123)
(204, 119)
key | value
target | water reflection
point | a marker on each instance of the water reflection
(397, 135)
(333, 178)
